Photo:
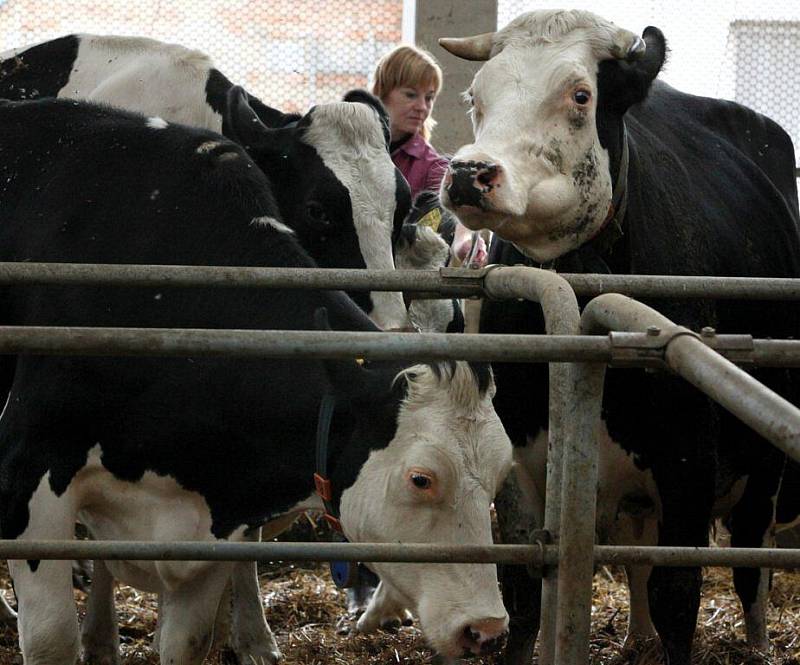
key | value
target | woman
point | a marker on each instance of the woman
(407, 81)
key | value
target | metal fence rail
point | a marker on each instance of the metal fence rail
(535, 556)
(455, 282)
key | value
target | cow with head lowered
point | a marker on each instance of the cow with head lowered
(205, 448)
(583, 161)
(333, 179)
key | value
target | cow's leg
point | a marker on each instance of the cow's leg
(519, 515)
(675, 592)
(640, 625)
(751, 525)
(637, 531)
(384, 603)
(48, 622)
(7, 614)
(100, 631)
(187, 615)
(358, 596)
(251, 639)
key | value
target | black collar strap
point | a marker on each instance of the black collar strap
(611, 229)
(344, 573)
(321, 480)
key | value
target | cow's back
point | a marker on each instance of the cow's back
(133, 73)
(710, 178)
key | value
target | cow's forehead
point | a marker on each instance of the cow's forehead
(558, 28)
(519, 71)
(344, 126)
(452, 412)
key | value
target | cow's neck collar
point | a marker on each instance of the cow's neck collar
(321, 481)
(611, 229)
(344, 573)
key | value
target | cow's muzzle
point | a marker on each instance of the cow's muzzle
(468, 183)
(484, 638)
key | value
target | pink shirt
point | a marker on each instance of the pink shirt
(422, 166)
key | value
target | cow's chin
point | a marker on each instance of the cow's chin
(542, 237)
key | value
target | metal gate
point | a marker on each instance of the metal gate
(622, 331)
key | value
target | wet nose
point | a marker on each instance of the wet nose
(484, 637)
(467, 182)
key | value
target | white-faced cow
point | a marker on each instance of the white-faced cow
(583, 160)
(333, 179)
(204, 448)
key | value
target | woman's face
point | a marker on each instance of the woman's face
(409, 108)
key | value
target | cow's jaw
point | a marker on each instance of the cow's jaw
(544, 181)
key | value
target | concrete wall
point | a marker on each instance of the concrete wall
(452, 18)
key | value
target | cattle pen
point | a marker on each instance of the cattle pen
(622, 333)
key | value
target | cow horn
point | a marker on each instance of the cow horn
(637, 49)
(478, 47)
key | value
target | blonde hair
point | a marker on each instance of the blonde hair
(407, 66)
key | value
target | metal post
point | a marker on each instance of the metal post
(561, 316)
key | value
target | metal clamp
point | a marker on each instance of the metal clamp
(647, 349)
(540, 537)
(739, 349)
(469, 276)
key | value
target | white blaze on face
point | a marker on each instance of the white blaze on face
(534, 116)
(349, 139)
(145, 76)
(434, 483)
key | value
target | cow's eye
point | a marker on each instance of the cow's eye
(582, 97)
(421, 481)
(317, 213)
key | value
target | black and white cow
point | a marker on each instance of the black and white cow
(424, 244)
(205, 448)
(583, 160)
(332, 176)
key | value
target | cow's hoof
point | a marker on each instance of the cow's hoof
(100, 656)
(641, 651)
(230, 657)
(259, 652)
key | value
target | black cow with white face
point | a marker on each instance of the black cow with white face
(334, 181)
(584, 161)
(207, 448)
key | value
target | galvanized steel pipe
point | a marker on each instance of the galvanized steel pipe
(769, 414)
(448, 282)
(456, 282)
(298, 344)
(574, 414)
(82, 340)
(679, 286)
(534, 555)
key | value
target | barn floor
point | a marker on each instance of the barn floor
(304, 607)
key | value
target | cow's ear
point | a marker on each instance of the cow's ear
(364, 97)
(242, 124)
(354, 381)
(624, 82)
(649, 63)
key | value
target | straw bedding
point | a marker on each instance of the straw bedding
(306, 612)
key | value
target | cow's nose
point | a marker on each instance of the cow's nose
(467, 182)
(484, 637)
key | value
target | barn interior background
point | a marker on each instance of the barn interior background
(294, 54)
